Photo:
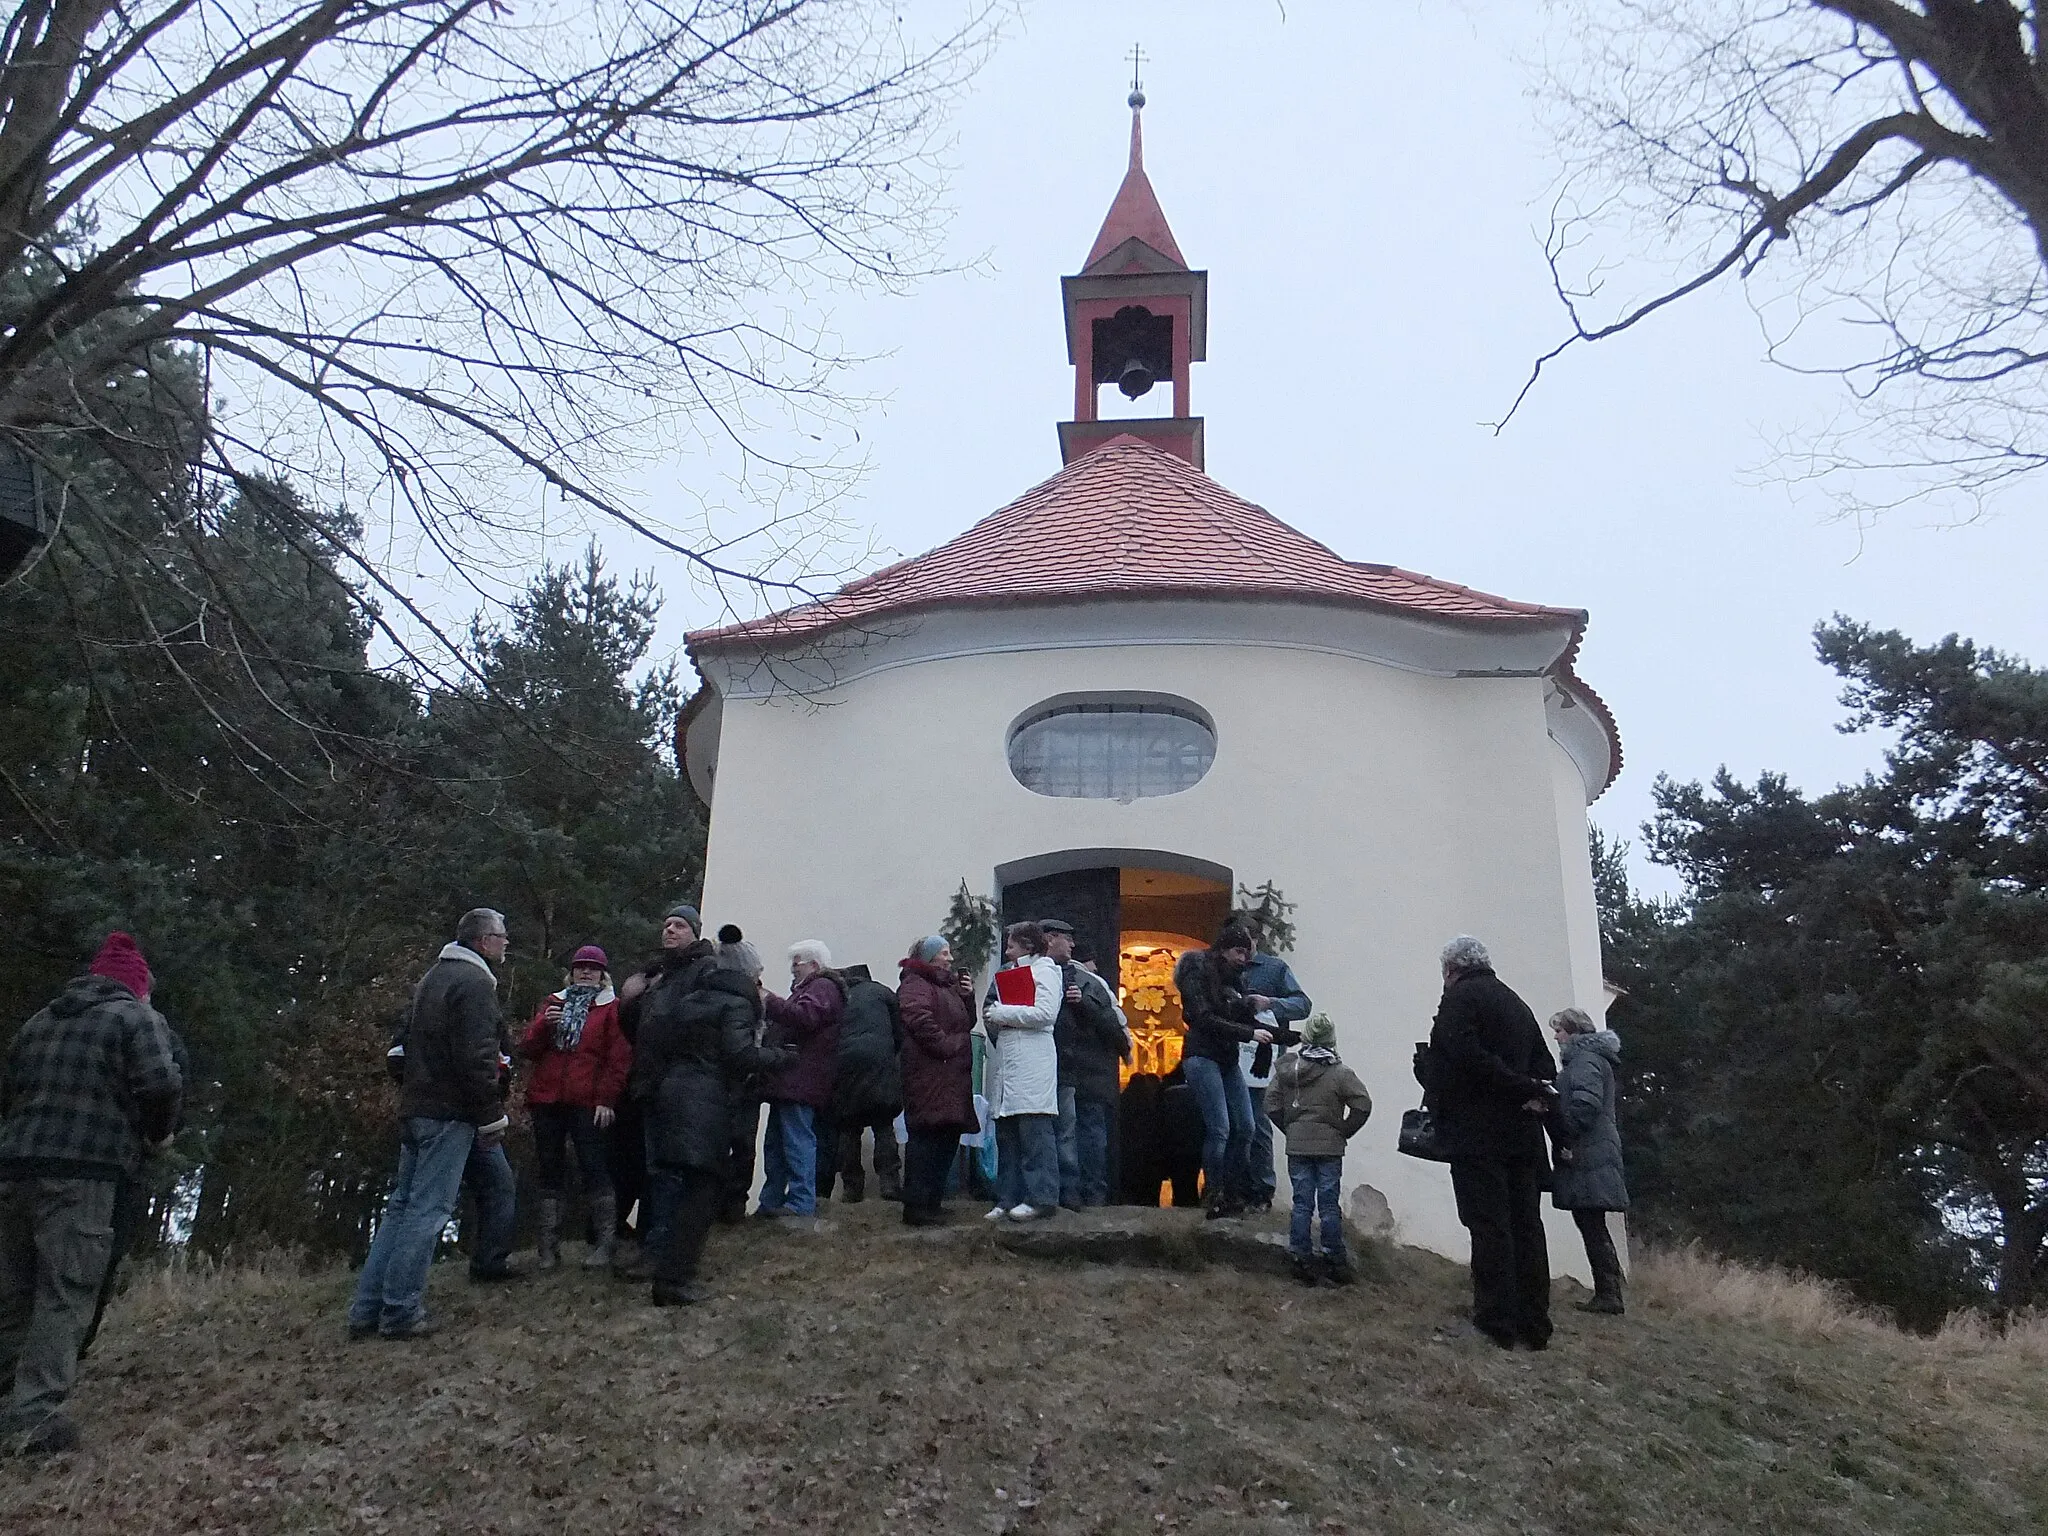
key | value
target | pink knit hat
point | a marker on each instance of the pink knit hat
(119, 960)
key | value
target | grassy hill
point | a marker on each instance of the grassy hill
(862, 1380)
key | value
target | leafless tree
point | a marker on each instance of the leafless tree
(1874, 172)
(431, 256)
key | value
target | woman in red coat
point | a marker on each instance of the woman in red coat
(937, 1006)
(580, 1059)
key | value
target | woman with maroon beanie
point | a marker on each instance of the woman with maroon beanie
(580, 1059)
(937, 1007)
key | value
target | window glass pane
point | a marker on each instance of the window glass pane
(1111, 752)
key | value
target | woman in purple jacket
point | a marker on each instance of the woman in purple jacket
(808, 1021)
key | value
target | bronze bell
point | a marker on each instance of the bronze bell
(1135, 378)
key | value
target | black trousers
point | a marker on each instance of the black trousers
(1600, 1254)
(927, 1159)
(1500, 1202)
(739, 1157)
(628, 1161)
(557, 1128)
(684, 1204)
(839, 1154)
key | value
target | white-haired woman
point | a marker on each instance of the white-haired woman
(1590, 1180)
(807, 1020)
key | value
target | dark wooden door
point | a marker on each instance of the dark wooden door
(1087, 898)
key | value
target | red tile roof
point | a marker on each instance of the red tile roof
(1135, 213)
(1130, 519)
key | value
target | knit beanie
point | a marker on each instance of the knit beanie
(1233, 936)
(688, 914)
(119, 960)
(927, 948)
(1320, 1031)
(590, 954)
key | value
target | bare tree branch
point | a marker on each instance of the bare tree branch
(1850, 159)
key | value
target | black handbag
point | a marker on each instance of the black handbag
(1418, 1137)
(1418, 1126)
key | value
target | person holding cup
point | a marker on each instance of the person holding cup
(580, 1060)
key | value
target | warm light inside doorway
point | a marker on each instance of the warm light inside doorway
(1150, 1000)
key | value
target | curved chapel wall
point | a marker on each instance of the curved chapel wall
(1395, 807)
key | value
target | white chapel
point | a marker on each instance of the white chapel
(1127, 693)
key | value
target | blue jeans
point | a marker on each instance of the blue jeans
(1263, 1182)
(488, 1173)
(1070, 1151)
(789, 1162)
(1226, 1124)
(1084, 1149)
(391, 1292)
(1028, 1161)
(1316, 1181)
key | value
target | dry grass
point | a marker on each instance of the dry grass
(869, 1380)
(1697, 1284)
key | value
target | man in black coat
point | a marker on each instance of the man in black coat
(695, 1049)
(682, 966)
(867, 1092)
(451, 1100)
(1089, 1036)
(1490, 1078)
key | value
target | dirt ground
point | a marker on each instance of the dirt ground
(860, 1379)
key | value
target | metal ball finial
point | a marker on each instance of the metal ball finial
(1136, 100)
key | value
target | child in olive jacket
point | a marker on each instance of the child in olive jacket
(1319, 1104)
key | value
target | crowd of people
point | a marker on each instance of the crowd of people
(655, 1090)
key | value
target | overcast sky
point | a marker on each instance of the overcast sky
(1366, 186)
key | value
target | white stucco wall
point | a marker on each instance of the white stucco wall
(1394, 806)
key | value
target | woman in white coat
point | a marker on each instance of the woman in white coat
(1024, 1088)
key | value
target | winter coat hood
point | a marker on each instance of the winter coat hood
(1606, 1042)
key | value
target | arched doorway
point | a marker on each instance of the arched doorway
(1135, 911)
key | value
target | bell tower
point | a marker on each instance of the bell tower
(1137, 317)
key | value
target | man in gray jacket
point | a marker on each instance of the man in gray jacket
(449, 1103)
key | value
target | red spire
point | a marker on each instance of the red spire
(1136, 214)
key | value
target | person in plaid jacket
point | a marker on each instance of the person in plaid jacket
(91, 1087)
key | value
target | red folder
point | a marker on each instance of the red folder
(1016, 986)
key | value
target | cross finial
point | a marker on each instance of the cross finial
(1137, 98)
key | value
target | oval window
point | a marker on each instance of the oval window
(1100, 749)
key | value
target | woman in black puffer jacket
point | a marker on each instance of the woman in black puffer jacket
(695, 1052)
